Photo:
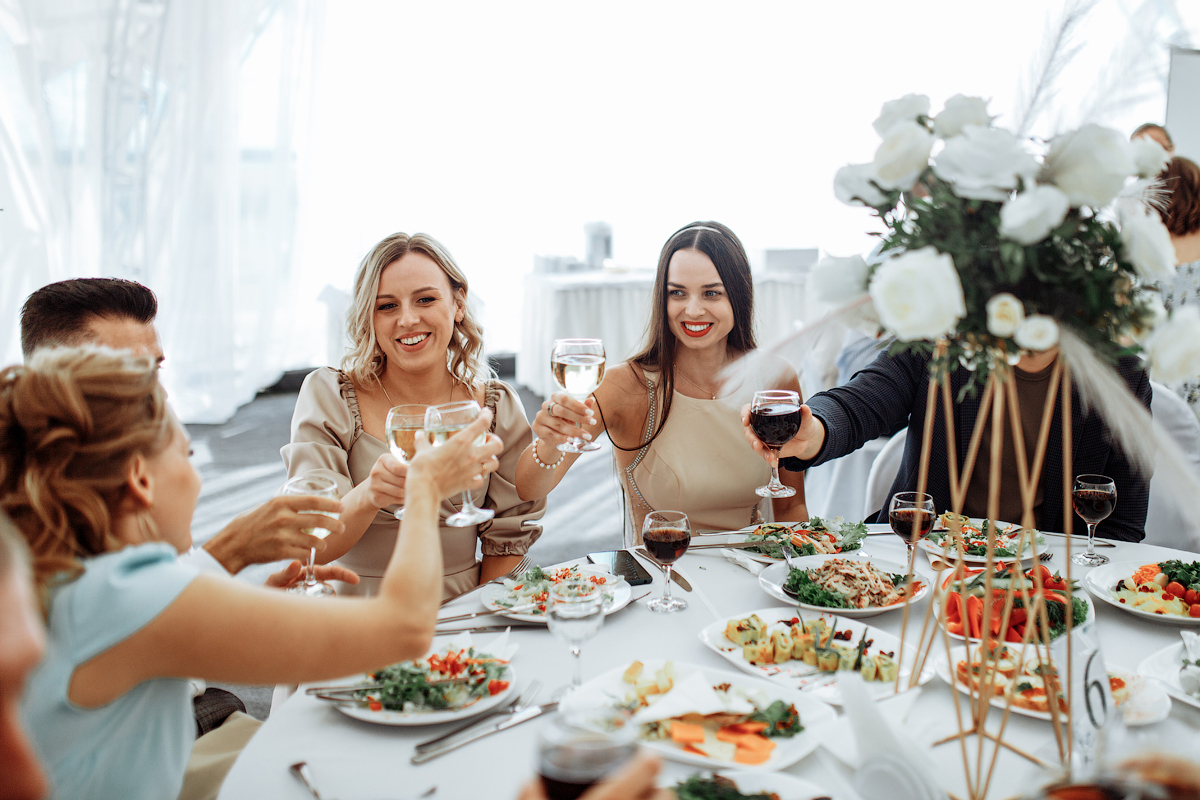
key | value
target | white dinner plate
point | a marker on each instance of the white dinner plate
(1147, 703)
(610, 688)
(1100, 580)
(622, 593)
(937, 610)
(743, 535)
(805, 677)
(385, 717)
(943, 552)
(782, 784)
(1163, 666)
(773, 577)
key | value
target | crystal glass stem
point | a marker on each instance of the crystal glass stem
(577, 681)
(1091, 550)
(310, 575)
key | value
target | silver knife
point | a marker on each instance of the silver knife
(516, 626)
(515, 719)
(725, 546)
(675, 576)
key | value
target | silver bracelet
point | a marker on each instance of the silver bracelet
(561, 455)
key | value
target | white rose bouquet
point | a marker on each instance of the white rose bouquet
(994, 243)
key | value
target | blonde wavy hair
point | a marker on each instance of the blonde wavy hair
(366, 361)
(71, 421)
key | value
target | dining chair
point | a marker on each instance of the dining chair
(883, 473)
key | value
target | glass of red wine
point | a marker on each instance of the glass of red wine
(775, 419)
(1093, 497)
(911, 515)
(576, 751)
(666, 535)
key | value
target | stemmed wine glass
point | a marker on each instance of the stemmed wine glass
(578, 367)
(775, 419)
(666, 535)
(314, 486)
(442, 422)
(401, 428)
(574, 613)
(911, 513)
(1093, 497)
(576, 751)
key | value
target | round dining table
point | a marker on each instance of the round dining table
(353, 759)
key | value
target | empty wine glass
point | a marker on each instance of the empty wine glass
(576, 750)
(401, 428)
(911, 513)
(1093, 497)
(578, 367)
(315, 486)
(775, 419)
(666, 535)
(442, 422)
(574, 613)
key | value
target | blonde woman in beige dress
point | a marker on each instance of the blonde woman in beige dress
(678, 441)
(416, 342)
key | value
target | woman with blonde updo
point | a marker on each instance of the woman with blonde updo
(94, 472)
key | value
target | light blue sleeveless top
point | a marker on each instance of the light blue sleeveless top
(136, 747)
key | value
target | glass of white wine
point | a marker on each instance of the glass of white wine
(401, 428)
(442, 422)
(578, 367)
(315, 486)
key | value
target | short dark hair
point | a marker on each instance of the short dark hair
(59, 313)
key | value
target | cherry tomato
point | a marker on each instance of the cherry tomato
(1191, 597)
(1194, 611)
(1176, 588)
(375, 705)
(495, 686)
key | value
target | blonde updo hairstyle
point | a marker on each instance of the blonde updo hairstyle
(366, 361)
(71, 421)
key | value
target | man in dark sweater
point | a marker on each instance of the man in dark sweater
(890, 394)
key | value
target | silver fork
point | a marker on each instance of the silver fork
(788, 554)
(521, 566)
(1046, 556)
(523, 700)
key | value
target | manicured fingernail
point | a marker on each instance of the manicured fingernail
(592, 421)
(591, 413)
(587, 436)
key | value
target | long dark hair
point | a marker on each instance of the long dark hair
(725, 250)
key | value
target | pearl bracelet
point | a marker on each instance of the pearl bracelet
(543, 464)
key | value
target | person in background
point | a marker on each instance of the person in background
(120, 314)
(94, 473)
(678, 444)
(416, 342)
(1182, 217)
(1158, 133)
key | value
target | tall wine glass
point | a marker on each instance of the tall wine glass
(578, 367)
(911, 515)
(574, 614)
(1093, 497)
(775, 419)
(666, 535)
(442, 422)
(316, 486)
(576, 751)
(401, 428)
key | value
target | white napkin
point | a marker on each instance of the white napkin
(693, 695)
(1189, 677)
(743, 560)
(838, 737)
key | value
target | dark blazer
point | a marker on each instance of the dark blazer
(891, 393)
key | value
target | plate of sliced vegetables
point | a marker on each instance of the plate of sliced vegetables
(941, 544)
(965, 606)
(1166, 592)
(524, 598)
(847, 586)
(815, 537)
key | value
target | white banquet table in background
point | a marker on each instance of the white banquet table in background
(615, 306)
(363, 760)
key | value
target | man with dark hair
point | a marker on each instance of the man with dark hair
(120, 314)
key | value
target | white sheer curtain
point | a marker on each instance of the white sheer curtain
(157, 140)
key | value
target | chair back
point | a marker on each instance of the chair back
(1166, 524)
(883, 473)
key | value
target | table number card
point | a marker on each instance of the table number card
(1095, 719)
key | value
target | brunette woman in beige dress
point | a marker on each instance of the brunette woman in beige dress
(678, 441)
(416, 342)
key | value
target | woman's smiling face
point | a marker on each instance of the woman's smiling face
(698, 308)
(415, 312)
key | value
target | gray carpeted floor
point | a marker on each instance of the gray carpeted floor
(240, 465)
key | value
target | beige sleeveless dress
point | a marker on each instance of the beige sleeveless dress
(700, 463)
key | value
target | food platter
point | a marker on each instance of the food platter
(781, 784)
(743, 535)
(622, 593)
(1100, 580)
(1059, 590)
(1163, 666)
(772, 579)
(802, 676)
(937, 550)
(610, 688)
(403, 719)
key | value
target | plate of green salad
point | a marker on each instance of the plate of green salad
(813, 538)
(851, 587)
(1007, 537)
(745, 786)
(525, 597)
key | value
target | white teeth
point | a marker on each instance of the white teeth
(697, 328)
(415, 339)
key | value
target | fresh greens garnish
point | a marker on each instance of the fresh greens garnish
(1024, 686)
(715, 788)
(812, 593)
(406, 685)
(850, 536)
(782, 719)
(1184, 572)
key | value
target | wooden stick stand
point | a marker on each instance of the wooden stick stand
(999, 392)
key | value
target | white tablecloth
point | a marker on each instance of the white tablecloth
(615, 307)
(367, 760)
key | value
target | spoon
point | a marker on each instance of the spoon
(301, 771)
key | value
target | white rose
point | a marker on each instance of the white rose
(984, 163)
(1149, 157)
(961, 110)
(1174, 347)
(1036, 332)
(1156, 315)
(1005, 313)
(1148, 245)
(854, 186)
(839, 281)
(1030, 216)
(902, 156)
(918, 294)
(906, 109)
(1090, 164)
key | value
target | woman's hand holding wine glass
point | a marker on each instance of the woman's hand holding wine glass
(775, 418)
(442, 423)
(578, 367)
(804, 444)
(562, 418)
(402, 427)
